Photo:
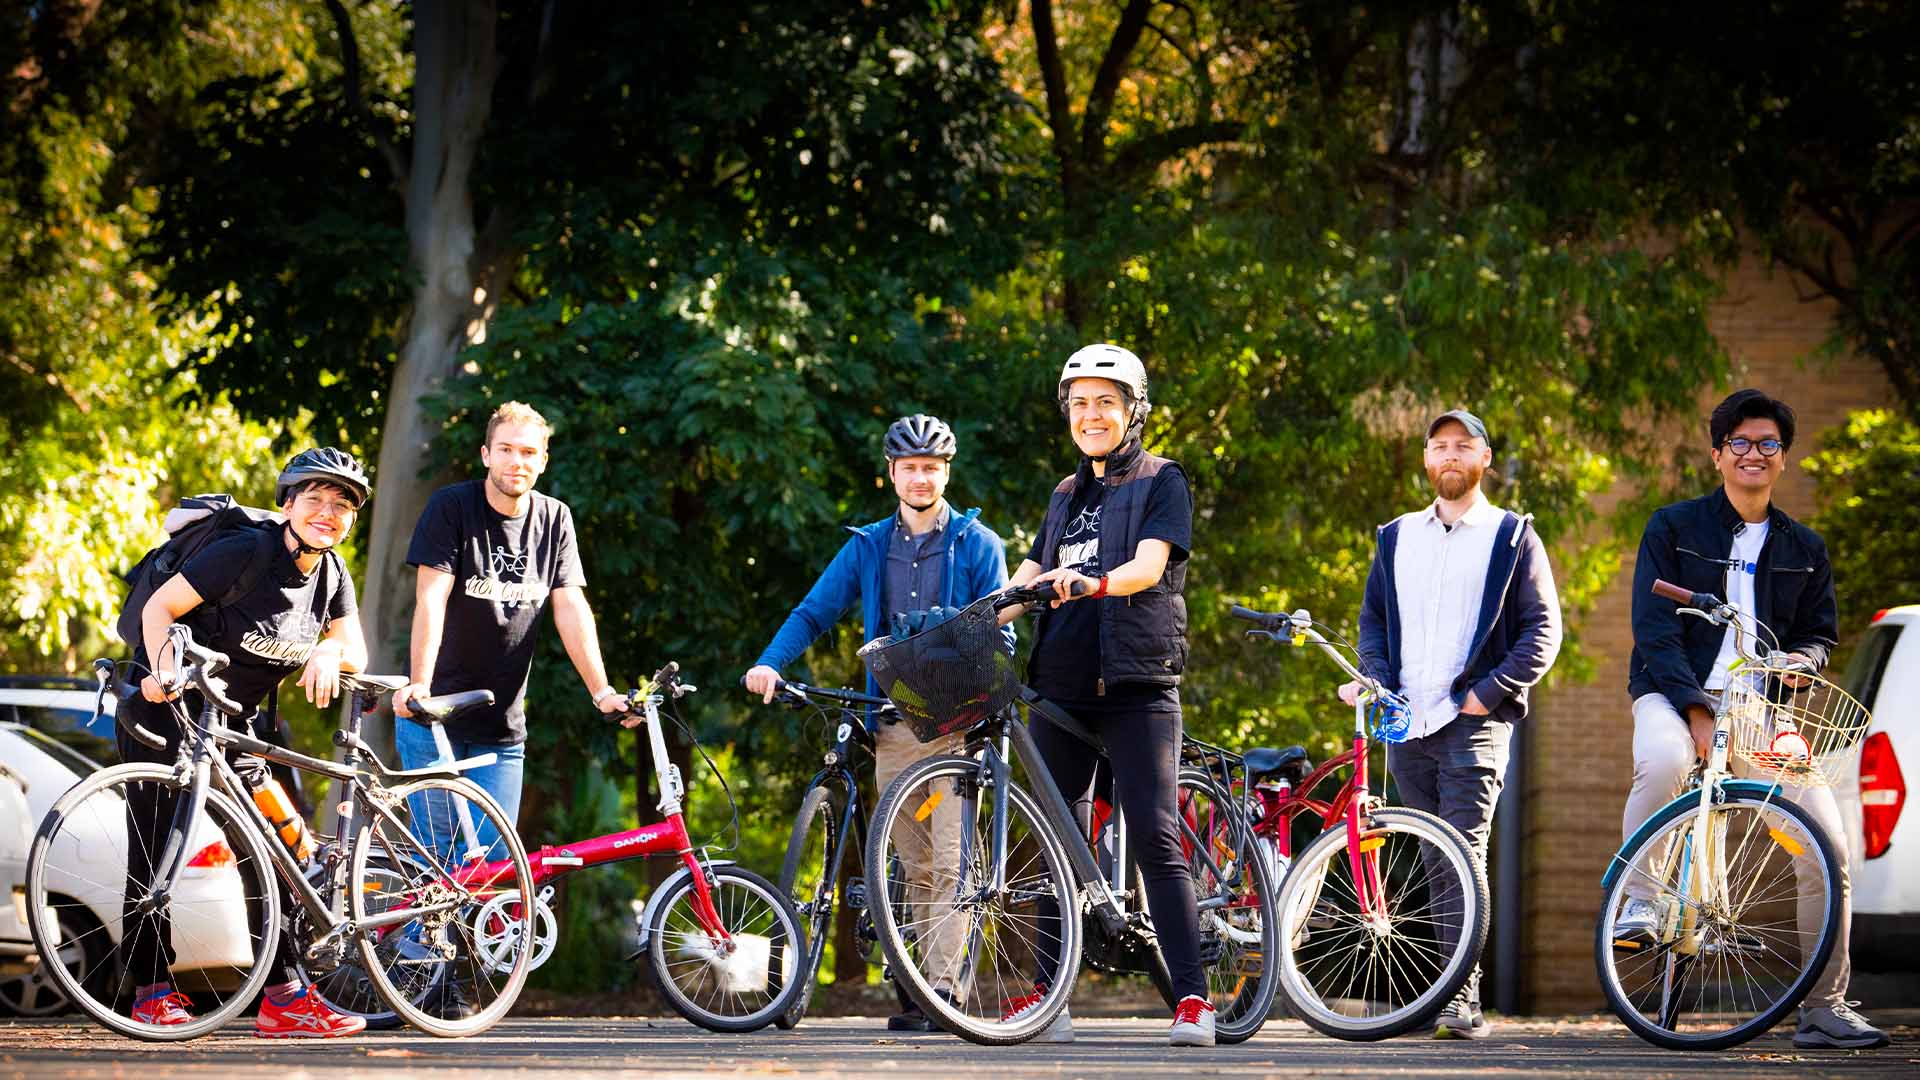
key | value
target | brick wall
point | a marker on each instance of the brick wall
(1579, 753)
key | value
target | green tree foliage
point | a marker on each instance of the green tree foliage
(90, 366)
(1869, 475)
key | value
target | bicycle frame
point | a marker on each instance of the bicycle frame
(666, 837)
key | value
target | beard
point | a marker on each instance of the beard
(506, 485)
(1453, 485)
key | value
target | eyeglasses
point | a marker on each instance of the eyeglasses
(1741, 445)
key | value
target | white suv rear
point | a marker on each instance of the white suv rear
(1885, 832)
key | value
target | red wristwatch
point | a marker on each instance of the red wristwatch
(1101, 591)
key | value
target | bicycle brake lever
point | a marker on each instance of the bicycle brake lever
(682, 689)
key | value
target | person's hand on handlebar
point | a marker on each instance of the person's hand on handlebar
(1068, 584)
(160, 687)
(1796, 680)
(762, 680)
(1350, 692)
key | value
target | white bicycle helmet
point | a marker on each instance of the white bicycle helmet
(1108, 362)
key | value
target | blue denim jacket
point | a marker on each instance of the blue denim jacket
(976, 566)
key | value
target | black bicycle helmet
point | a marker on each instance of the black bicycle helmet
(323, 463)
(920, 435)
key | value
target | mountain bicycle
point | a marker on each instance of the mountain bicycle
(723, 943)
(212, 876)
(1382, 916)
(1743, 882)
(831, 822)
(970, 935)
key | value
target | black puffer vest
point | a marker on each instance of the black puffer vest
(1143, 637)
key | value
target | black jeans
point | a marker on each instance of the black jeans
(1144, 749)
(147, 940)
(1455, 773)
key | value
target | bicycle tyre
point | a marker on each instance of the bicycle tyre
(818, 816)
(1676, 821)
(348, 990)
(1240, 1011)
(96, 996)
(1303, 898)
(1056, 877)
(673, 927)
(383, 842)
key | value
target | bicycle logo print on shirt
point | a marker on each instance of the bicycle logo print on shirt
(287, 638)
(504, 563)
(1080, 542)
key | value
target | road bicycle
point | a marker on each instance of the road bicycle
(723, 943)
(832, 822)
(211, 876)
(1383, 915)
(1743, 883)
(971, 929)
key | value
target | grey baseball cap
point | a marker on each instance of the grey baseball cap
(1466, 419)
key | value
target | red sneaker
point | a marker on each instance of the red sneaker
(1192, 1022)
(172, 1007)
(1015, 1007)
(306, 1015)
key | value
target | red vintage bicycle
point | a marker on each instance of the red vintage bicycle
(724, 943)
(1383, 914)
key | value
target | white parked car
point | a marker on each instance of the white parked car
(49, 740)
(1885, 676)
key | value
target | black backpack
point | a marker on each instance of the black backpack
(198, 521)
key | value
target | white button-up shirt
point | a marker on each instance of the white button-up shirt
(1439, 575)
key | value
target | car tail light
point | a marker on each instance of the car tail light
(213, 856)
(1878, 615)
(1883, 791)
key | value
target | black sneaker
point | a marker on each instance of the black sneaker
(911, 1020)
(448, 1001)
(1461, 1019)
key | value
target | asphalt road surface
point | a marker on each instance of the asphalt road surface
(855, 1047)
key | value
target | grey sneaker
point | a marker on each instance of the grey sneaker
(1835, 1026)
(1634, 926)
(1461, 1019)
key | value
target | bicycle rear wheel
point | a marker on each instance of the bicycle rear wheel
(445, 934)
(1237, 899)
(808, 877)
(1380, 954)
(223, 915)
(1728, 957)
(961, 948)
(741, 978)
(344, 984)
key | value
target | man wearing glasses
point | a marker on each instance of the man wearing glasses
(1733, 542)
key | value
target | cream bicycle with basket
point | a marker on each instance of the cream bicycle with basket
(1745, 884)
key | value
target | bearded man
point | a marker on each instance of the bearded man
(1461, 616)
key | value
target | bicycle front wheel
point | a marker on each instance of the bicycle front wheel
(727, 955)
(808, 877)
(1376, 937)
(445, 931)
(962, 944)
(1743, 922)
(90, 871)
(1237, 900)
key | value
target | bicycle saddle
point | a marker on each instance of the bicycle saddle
(446, 706)
(1291, 764)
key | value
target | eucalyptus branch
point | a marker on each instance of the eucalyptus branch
(350, 60)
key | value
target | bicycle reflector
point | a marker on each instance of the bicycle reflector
(214, 856)
(1883, 793)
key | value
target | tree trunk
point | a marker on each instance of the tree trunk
(455, 66)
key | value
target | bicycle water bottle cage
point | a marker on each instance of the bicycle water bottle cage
(1390, 718)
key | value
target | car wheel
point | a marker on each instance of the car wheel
(35, 993)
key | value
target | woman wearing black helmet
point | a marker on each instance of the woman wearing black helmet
(295, 611)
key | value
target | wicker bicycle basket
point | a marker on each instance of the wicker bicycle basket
(1805, 737)
(949, 677)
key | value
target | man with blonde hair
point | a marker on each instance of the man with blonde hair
(491, 555)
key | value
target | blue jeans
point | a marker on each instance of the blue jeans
(435, 819)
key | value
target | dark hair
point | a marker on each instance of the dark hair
(1746, 405)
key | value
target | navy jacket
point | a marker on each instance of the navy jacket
(976, 566)
(1515, 638)
(1688, 544)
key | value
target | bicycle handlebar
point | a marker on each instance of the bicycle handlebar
(1721, 613)
(1027, 595)
(800, 693)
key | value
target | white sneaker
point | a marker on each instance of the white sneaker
(1060, 1031)
(1192, 1022)
(1634, 926)
(1836, 1026)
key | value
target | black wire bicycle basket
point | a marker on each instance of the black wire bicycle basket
(947, 678)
